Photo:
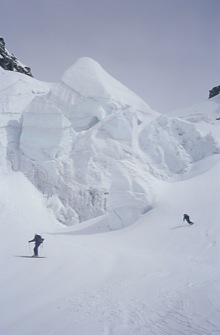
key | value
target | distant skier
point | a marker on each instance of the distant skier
(187, 218)
(38, 241)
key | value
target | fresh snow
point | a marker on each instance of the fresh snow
(106, 181)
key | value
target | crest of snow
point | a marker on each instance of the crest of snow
(90, 80)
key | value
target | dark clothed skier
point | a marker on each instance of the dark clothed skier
(187, 218)
(38, 240)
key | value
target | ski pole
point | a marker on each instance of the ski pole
(29, 248)
(42, 249)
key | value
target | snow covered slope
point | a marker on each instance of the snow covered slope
(159, 276)
(87, 148)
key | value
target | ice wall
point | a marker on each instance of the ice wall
(92, 146)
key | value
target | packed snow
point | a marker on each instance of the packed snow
(106, 180)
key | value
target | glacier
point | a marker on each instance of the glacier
(92, 147)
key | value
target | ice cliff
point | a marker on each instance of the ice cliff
(91, 145)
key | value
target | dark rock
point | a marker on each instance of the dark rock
(9, 62)
(214, 91)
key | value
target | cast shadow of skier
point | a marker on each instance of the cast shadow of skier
(24, 256)
(177, 227)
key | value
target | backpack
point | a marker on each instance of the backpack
(38, 239)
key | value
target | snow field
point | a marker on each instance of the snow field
(158, 276)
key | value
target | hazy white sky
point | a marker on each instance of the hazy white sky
(166, 51)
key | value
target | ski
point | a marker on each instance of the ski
(32, 256)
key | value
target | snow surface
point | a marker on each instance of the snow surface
(88, 151)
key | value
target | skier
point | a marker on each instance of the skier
(38, 240)
(187, 218)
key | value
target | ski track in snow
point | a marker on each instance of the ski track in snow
(136, 316)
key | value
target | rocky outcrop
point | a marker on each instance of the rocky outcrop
(214, 91)
(9, 62)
